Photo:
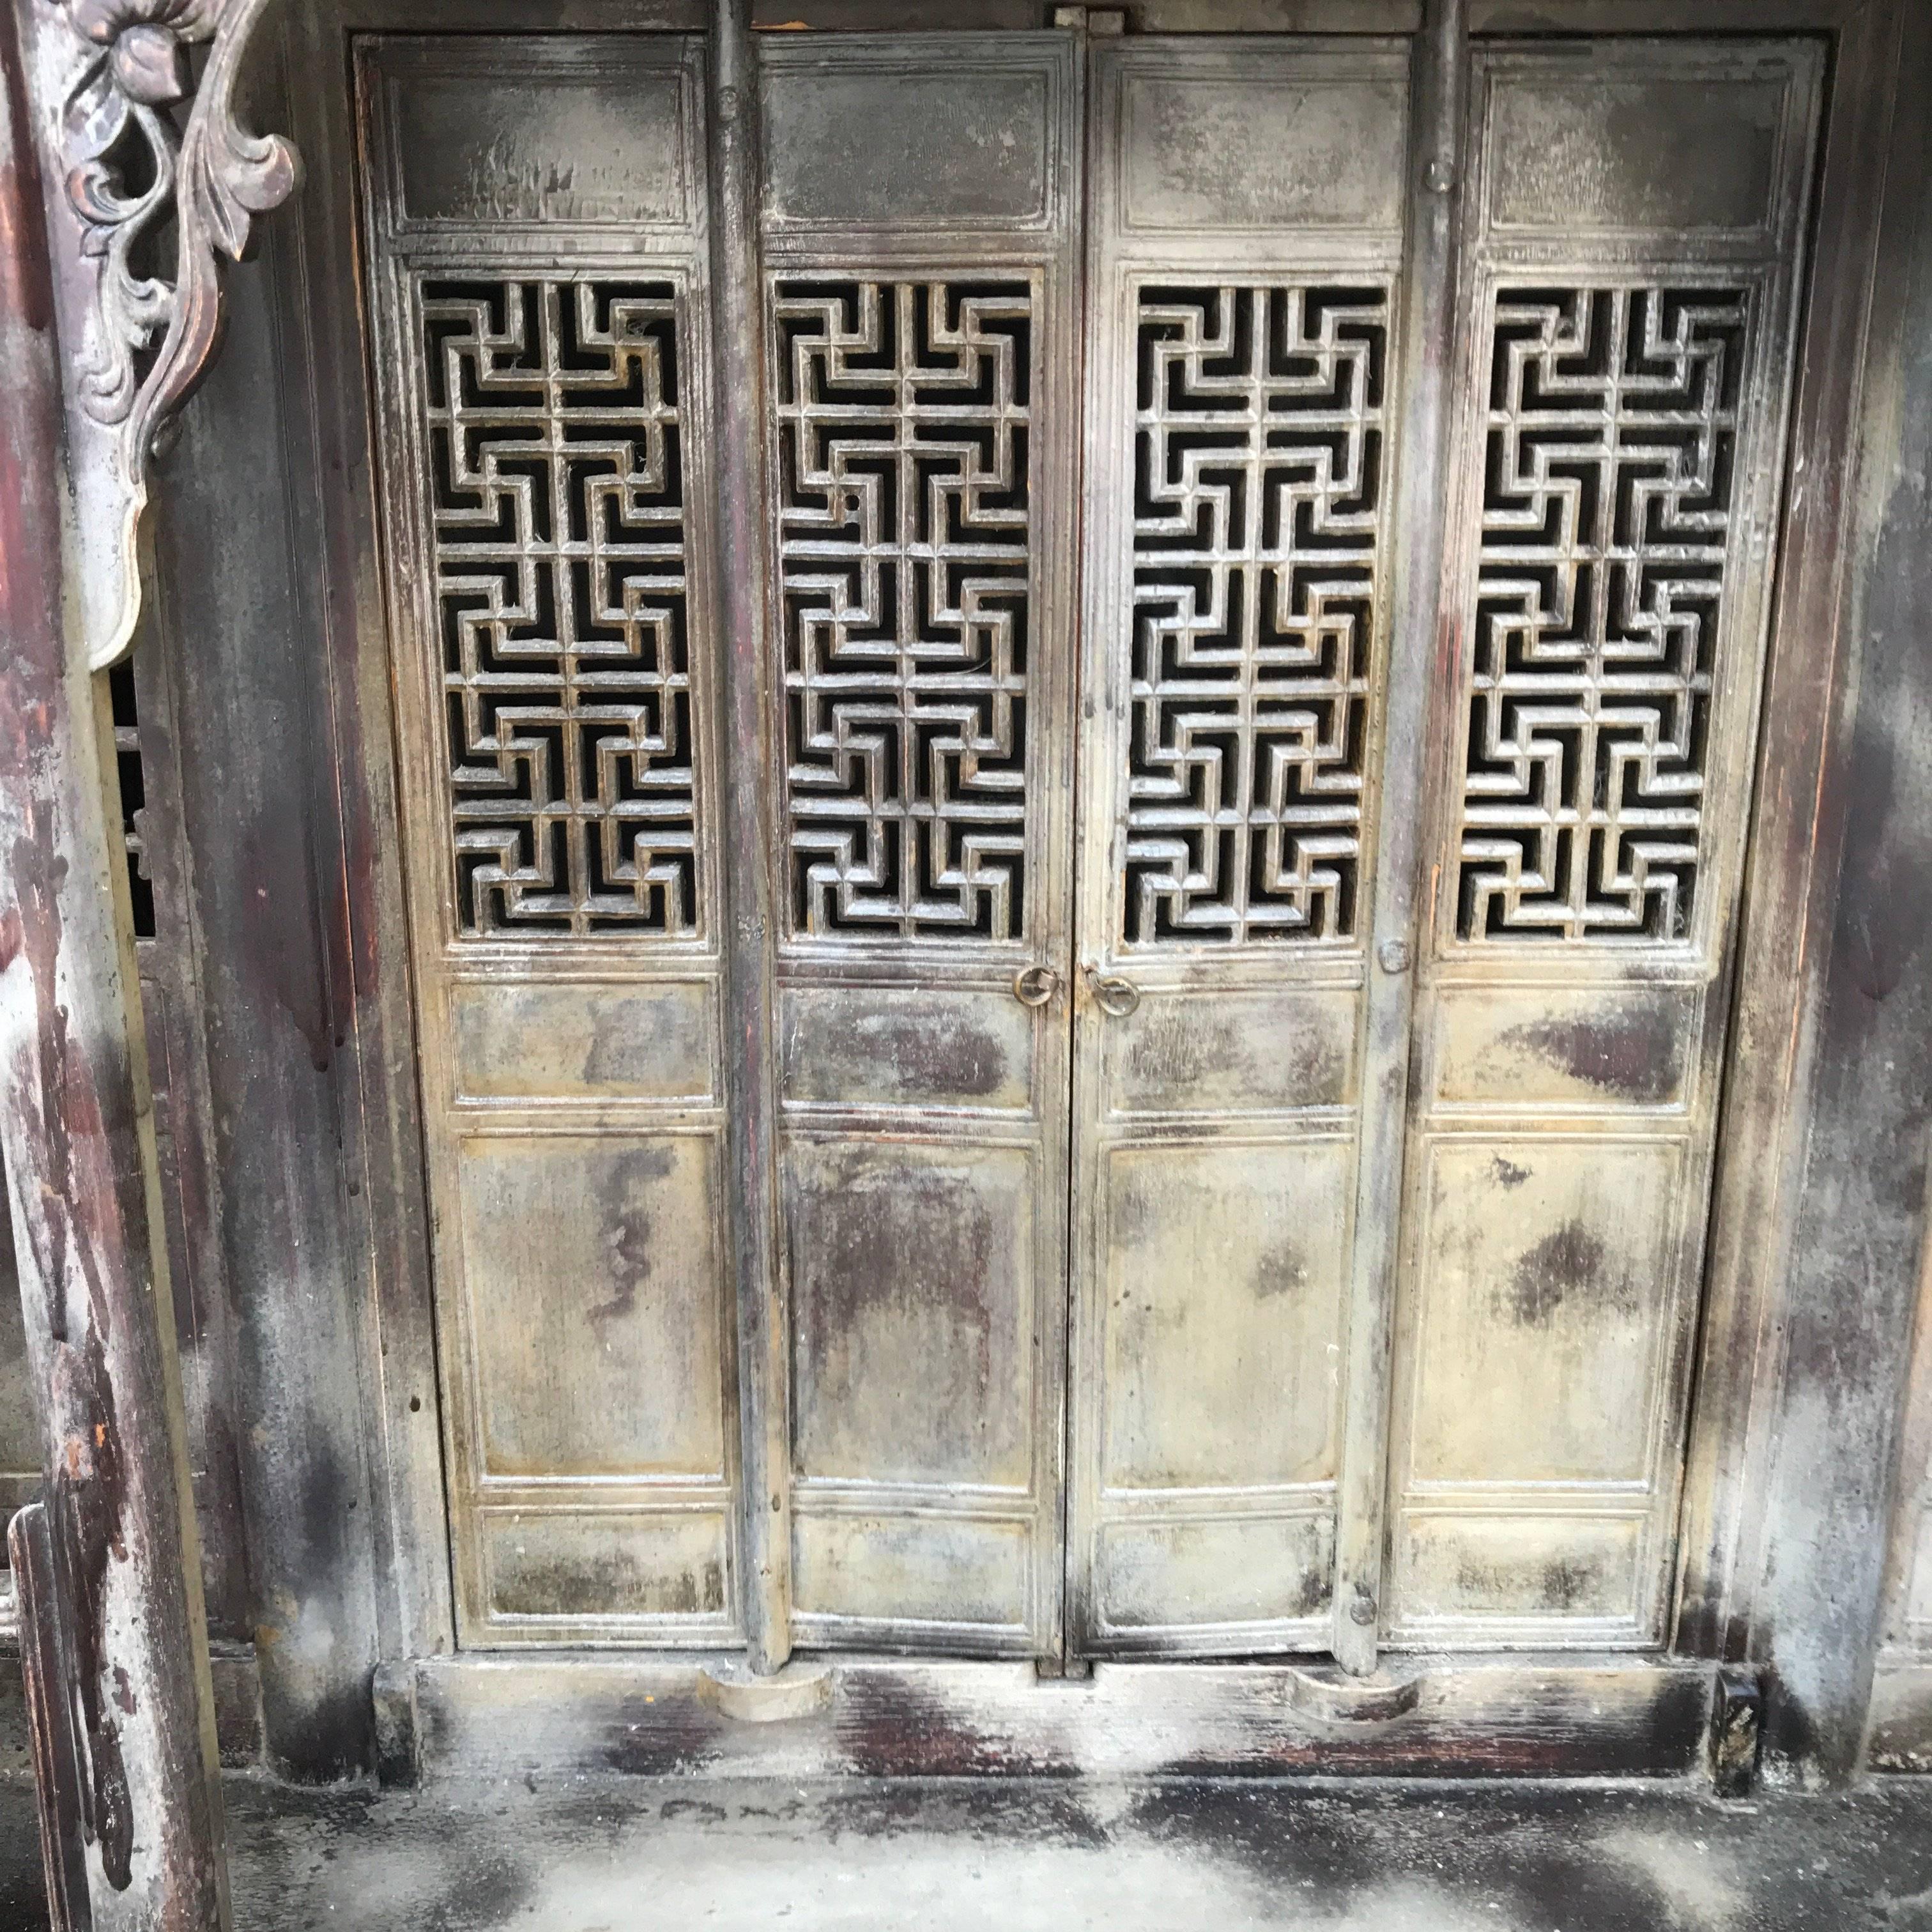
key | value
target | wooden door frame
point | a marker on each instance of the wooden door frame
(1792, 870)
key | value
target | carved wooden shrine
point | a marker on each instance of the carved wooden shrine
(1060, 845)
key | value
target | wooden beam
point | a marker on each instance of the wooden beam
(1858, 1208)
(76, 1129)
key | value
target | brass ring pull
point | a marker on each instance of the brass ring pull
(1111, 994)
(1035, 985)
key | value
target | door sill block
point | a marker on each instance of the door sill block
(734, 1690)
(1328, 1692)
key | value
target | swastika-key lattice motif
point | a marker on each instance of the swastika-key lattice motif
(552, 413)
(1613, 426)
(1258, 500)
(906, 562)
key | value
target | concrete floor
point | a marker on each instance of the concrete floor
(641, 1855)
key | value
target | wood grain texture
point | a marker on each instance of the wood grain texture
(1858, 1215)
(743, 588)
(75, 1121)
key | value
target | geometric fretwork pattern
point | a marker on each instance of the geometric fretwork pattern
(557, 480)
(1259, 490)
(905, 564)
(1606, 519)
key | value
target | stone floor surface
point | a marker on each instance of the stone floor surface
(642, 1856)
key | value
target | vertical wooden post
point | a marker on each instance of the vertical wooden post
(737, 292)
(78, 1135)
(1435, 163)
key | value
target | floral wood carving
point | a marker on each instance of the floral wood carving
(157, 206)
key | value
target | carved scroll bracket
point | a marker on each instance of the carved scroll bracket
(144, 208)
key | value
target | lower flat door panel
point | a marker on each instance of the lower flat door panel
(1220, 1326)
(925, 1513)
(1214, 1243)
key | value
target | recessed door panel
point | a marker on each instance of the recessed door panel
(1224, 1280)
(1244, 306)
(923, 321)
(913, 1308)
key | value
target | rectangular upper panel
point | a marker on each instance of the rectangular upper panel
(897, 134)
(1593, 1049)
(1646, 138)
(1246, 1050)
(538, 133)
(886, 1046)
(578, 1041)
(1237, 136)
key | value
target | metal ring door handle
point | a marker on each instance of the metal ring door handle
(1035, 985)
(1111, 994)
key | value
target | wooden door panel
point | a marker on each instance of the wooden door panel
(1233, 1571)
(914, 1305)
(905, 1047)
(1226, 1267)
(919, 235)
(584, 1043)
(1248, 1050)
(635, 1572)
(615, 1368)
(951, 1580)
(1481, 1569)
(1631, 238)
(1546, 1272)
(1243, 307)
(1546, 1049)
(536, 234)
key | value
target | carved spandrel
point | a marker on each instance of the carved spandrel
(151, 185)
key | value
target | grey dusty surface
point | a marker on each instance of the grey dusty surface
(642, 1856)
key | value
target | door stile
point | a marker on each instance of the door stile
(743, 590)
(1423, 656)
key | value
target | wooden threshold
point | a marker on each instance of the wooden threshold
(1512, 1716)
(237, 1702)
